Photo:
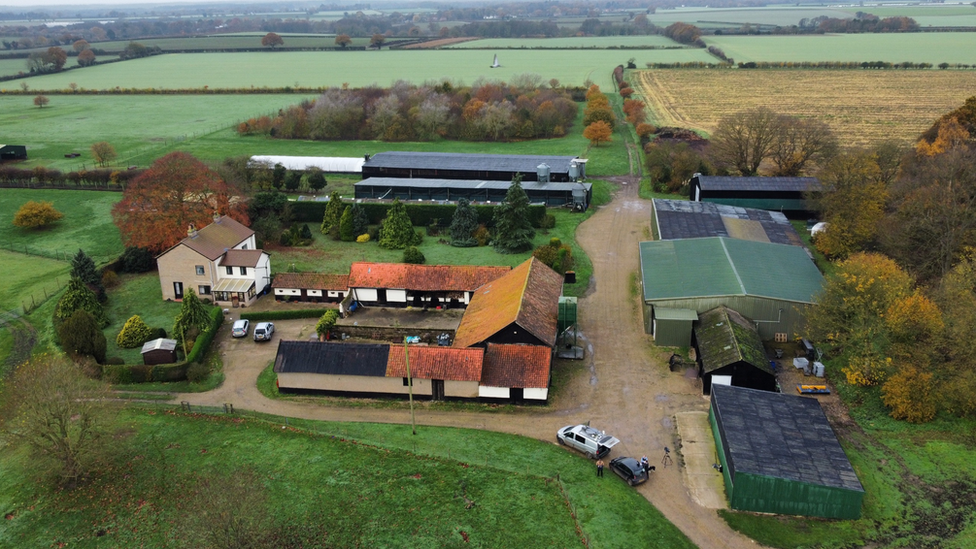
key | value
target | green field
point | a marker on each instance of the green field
(366, 485)
(934, 48)
(28, 279)
(722, 17)
(12, 66)
(576, 42)
(317, 69)
(931, 15)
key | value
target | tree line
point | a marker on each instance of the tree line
(485, 111)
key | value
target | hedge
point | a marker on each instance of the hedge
(142, 373)
(285, 315)
(421, 215)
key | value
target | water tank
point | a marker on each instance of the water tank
(573, 171)
(542, 173)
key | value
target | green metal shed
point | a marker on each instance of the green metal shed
(780, 455)
(771, 284)
(672, 327)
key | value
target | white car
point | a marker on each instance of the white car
(592, 442)
(240, 328)
(263, 331)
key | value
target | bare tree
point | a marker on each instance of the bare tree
(103, 152)
(431, 115)
(799, 143)
(59, 413)
(742, 141)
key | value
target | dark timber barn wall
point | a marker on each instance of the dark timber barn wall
(388, 188)
(494, 167)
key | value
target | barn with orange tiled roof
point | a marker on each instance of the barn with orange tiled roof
(403, 284)
(516, 372)
(441, 372)
(314, 287)
(520, 307)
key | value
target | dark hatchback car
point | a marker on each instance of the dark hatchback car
(629, 469)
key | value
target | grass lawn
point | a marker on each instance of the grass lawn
(87, 224)
(315, 69)
(367, 485)
(137, 295)
(29, 279)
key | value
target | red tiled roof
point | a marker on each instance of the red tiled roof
(241, 258)
(528, 296)
(216, 238)
(423, 278)
(311, 281)
(518, 366)
(444, 363)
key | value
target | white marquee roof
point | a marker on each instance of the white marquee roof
(331, 164)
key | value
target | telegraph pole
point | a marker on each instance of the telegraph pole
(406, 357)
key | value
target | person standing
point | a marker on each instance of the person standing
(599, 467)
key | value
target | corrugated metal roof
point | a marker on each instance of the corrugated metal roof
(663, 313)
(466, 184)
(160, 343)
(320, 357)
(685, 219)
(519, 366)
(446, 363)
(791, 184)
(468, 162)
(528, 296)
(725, 337)
(424, 278)
(331, 164)
(717, 266)
(781, 436)
(311, 281)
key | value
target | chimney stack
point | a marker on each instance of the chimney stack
(216, 216)
(191, 231)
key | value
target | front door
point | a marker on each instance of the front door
(178, 290)
(437, 389)
(517, 395)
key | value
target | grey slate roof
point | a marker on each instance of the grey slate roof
(791, 184)
(780, 436)
(470, 162)
(320, 357)
(686, 219)
(420, 183)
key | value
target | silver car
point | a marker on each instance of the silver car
(263, 331)
(592, 442)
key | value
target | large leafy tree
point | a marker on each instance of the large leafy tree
(801, 143)
(513, 231)
(58, 413)
(397, 230)
(176, 191)
(272, 40)
(463, 225)
(742, 141)
(853, 203)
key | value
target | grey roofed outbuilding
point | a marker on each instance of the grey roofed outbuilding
(725, 337)
(468, 162)
(316, 357)
(470, 184)
(675, 219)
(552, 193)
(730, 183)
(159, 344)
(718, 266)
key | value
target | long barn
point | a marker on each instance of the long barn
(493, 167)
(550, 194)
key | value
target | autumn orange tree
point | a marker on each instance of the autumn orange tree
(598, 132)
(176, 191)
(634, 110)
(853, 203)
(272, 40)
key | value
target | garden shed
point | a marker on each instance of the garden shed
(730, 352)
(159, 351)
(770, 284)
(780, 455)
(495, 167)
(783, 194)
(13, 152)
(551, 194)
(674, 219)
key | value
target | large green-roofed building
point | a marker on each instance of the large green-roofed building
(771, 284)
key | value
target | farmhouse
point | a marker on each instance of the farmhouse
(780, 455)
(519, 307)
(495, 167)
(314, 287)
(783, 194)
(674, 219)
(13, 152)
(509, 372)
(403, 284)
(549, 193)
(328, 164)
(219, 262)
(771, 284)
(730, 352)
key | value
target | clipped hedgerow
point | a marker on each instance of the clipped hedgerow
(134, 333)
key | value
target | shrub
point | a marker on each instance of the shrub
(134, 333)
(80, 335)
(110, 279)
(326, 322)
(413, 255)
(548, 222)
(137, 260)
(158, 333)
(197, 372)
(362, 238)
(283, 315)
(36, 214)
(482, 235)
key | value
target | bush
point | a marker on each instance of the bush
(158, 333)
(548, 222)
(413, 255)
(420, 215)
(362, 238)
(36, 214)
(284, 315)
(133, 334)
(327, 322)
(482, 235)
(197, 372)
(137, 260)
(110, 279)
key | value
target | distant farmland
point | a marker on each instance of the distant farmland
(862, 107)
(917, 47)
(574, 42)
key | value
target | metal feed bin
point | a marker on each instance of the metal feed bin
(542, 173)
(579, 198)
(567, 312)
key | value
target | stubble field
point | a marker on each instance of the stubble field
(862, 107)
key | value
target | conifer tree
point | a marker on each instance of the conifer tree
(193, 314)
(80, 335)
(463, 225)
(79, 296)
(83, 268)
(333, 213)
(513, 231)
(346, 233)
(397, 231)
(360, 222)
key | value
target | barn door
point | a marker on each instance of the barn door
(437, 389)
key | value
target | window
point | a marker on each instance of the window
(243, 270)
(406, 382)
(244, 247)
(204, 290)
(230, 270)
(200, 271)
